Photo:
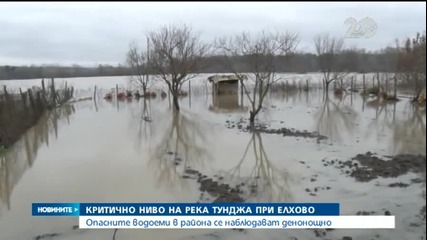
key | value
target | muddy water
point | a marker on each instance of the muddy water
(138, 151)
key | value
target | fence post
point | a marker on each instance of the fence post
(364, 84)
(395, 86)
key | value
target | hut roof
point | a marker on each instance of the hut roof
(221, 78)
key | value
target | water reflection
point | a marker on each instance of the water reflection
(385, 111)
(142, 117)
(22, 154)
(231, 102)
(406, 126)
(297, 97)
(409, 132)
(183, 144)
(335, 119)
(265, 181)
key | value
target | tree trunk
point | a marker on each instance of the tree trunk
(252, 115)
(252, 119)
(327, 87)
(175, 101)
(144, 89)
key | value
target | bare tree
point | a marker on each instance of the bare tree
(411, 63)
(175, 54)
(328, 50)
(258, 54)
(137, 61)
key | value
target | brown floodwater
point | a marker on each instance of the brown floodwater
(128, 151)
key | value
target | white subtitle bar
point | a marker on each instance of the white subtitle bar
(241, 222)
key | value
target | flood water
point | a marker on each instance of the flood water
(127, 152)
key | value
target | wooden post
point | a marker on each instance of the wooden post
(94, 99)
(53, 93)
(148, 60)
(351, 83)
(94, 94)
(394, 111)
(378, 80)
(189, 93)
(364, 84)
(395, 86)
(373, 81)
(6, 94)
(43, 86)
(169, 98)
(71, 91)
(363, 104)
(241, 92)
(117, 96)
(24, 97)
(31, 99)
(307, 87)
(39, 105)
(386, 84)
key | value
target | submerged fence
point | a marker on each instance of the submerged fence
(20, 111)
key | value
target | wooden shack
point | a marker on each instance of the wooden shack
(226, 84)
(225, 97)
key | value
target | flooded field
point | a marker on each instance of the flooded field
(308, 149)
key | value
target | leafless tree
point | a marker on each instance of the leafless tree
(137, 61)
(257, 54)
(175, 54)
(411, 63)
(328, 50)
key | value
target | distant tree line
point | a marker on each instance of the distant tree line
(29, 72)
(352, 60)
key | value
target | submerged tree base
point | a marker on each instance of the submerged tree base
(366, 167)
(263, 128)
(220, 191)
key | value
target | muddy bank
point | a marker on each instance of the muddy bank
(213, 189)
(243, 126)
(48, 236)
(368, 166)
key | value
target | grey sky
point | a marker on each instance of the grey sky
(91, 33)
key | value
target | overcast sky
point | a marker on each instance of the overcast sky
(99, 33)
